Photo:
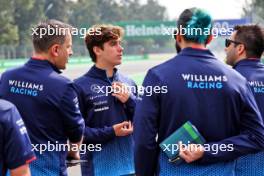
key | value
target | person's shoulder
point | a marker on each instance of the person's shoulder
(6, 107)
(235, 79)
(58, 78)
(255, 68)
(82, 79)
(12, 71)
(230, 71)
(243, 69)
(164, 68)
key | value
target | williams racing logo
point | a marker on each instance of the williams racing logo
(204, 81)
(257, 86)
(25, 88)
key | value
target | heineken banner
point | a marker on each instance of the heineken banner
(165, 29)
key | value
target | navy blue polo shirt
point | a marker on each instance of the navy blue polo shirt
(253, 70)
(15, 145)
(101, 111)
(203, 90)
(49, 107)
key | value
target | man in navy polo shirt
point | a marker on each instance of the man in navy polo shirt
(201, 89)
(15, 146)
(46, 100)
(244, 50)
(107, 102)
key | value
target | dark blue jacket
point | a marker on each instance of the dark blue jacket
(48, 105)
(253, 71)
(203, 90)
(15, 146)
(101, 111)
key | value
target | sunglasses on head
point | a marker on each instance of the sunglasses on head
(228, 42)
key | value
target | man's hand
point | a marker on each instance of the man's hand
(191, 153)
(121, 92)
(73, 155)
(21, 171)
(123, 129)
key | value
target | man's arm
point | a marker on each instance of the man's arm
(18, 149)
(72, 118)
(100, 135)
(146, 128)
(251, 137)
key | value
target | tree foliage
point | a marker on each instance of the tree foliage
(255, 10)
(8, 28)
(18, 17)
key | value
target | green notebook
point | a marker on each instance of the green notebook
(187, 134)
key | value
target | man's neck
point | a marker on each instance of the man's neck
(109, 69)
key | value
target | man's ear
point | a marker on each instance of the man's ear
(241, 49)
(97, 50)
(178, 38)
(54, 50)
(209, 39)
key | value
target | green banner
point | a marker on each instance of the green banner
(147, 29)
(164, 29)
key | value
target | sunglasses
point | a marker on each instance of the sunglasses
(228, 42)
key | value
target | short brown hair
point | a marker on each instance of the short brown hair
(252, 36)
(104, 34)
(43, 41)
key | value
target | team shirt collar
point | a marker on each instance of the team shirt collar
(248, 61)
(42, 63)
(196, 52)
(100, 73)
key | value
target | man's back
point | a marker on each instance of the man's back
(200, 89)
(36, 91)
(253, 71)
(49, 107)
(204, 91)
